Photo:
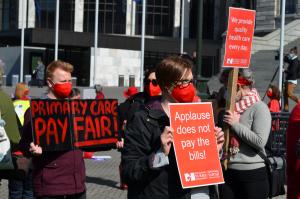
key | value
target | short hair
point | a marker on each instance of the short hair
(58, 64)
(247, 74)
(21, 90)
(275, 92)
(98, 88)
(170, 70)
(294, 50)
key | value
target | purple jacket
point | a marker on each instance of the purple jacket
(54, 173)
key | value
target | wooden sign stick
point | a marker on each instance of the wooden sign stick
(230, 103)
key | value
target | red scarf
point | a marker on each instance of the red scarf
(240, 107)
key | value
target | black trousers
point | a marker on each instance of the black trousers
(75, 196)
(245, 184)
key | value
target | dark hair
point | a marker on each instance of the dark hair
(170, 70)
(294, 50)
(148, 72)
(275, 92)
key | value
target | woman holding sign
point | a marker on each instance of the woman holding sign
(246, 176)
(148, 160)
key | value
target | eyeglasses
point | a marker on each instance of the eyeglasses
(148, 81)
(185, 82)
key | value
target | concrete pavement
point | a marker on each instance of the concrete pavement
(102, 178)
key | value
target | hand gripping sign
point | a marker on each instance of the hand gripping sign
(67, 124)
(195, 144)
(239, 38)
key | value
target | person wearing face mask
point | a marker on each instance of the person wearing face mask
(250, 123)
(134, 103)
(291, 78)
(55, 174)
(148, 160)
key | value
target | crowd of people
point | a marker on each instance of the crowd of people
(148, 167)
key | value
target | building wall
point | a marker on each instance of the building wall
(111, 63)
(265, 15)
(11, 58)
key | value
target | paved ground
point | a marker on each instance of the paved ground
(102, 178)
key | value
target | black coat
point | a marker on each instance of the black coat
(142, 139)
(292, 70)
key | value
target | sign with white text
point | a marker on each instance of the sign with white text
(239, 38)
(195, 144)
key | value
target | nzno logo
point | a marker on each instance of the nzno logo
(190, 177)
(229, 61)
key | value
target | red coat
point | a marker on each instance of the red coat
(293, 163)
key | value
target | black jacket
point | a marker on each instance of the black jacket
(142, 138)
(292, 70)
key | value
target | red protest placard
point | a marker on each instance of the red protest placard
(239, 38)
(195, 144)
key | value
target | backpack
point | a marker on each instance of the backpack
(5, 153)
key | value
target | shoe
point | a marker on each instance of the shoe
(123, 186)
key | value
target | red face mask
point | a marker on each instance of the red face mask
(269, 93)
(152, 90)
(62, 90)
(186, 94)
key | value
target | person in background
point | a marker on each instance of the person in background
(246, 176)
(23, 188)
(40, 73)
(273, 94)
(132, 104)
(58, 174)
(291, 77)
(293, 154)
(75, 94)
(8, 114)
(148, 160)
(99, 91)
(21, 100)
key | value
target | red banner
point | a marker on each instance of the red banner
(239, 38)
(67, 124)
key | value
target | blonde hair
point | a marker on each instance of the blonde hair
(58, 64)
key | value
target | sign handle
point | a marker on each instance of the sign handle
(230, 102)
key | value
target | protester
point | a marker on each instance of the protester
(137, 101)
(75, 93)
(99, 92)
(40, 73)
(246, 176)
(21, 102)
(273, 94)
(11, 127)
(293, 155)
(132, 104)
(22, 188)
(56, 174)
(148, 160)
(291, 77)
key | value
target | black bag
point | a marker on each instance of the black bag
(275, 166)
